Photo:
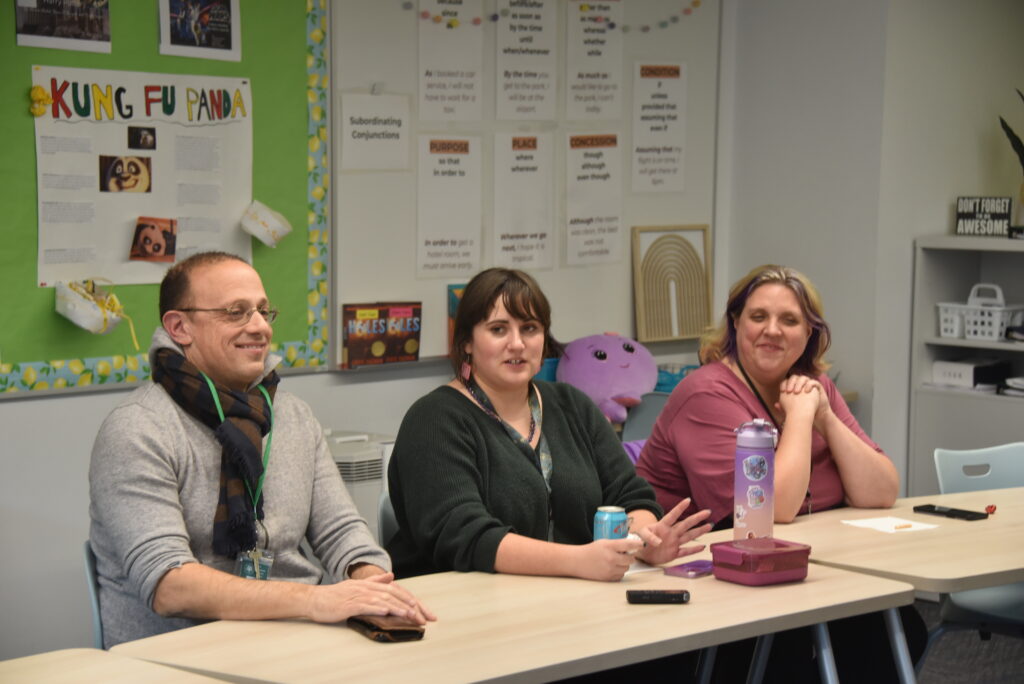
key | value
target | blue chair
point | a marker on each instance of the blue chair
(990, 610)
(93, 583)
(640, 419)
(387, 523)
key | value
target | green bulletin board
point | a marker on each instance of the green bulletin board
(285, 56)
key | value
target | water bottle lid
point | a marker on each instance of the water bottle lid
(757, 434)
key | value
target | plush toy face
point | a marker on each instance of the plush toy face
(614, 371)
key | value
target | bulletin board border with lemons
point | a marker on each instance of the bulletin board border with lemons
(310, 353)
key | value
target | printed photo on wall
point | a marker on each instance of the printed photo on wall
(141, 138)
(154, 239)
(124, 174)
(209, 29)
(63, 25)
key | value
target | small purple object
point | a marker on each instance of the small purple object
(633, 449)
(693, 569)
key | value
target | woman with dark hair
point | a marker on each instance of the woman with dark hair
(498, 472)
(766, 360)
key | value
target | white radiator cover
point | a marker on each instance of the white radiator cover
(360, 457)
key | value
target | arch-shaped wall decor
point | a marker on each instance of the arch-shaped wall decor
(671, 282)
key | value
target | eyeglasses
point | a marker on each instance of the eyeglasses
(238, 316)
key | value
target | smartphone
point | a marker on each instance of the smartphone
(657, 595)
(386, 628)
(957, 513)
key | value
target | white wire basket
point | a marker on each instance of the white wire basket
(985, 316)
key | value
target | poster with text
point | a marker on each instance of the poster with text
(659, 127)
(593, 199)
(527, 60)
(451, 59)
(524, 200)
(374, 132)
(115, 146)
(448, 204)
(63, 25)
(209, 29)
(593, 72)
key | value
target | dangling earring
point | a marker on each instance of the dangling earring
(466, 370)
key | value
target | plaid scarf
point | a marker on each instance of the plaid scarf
(246, 421)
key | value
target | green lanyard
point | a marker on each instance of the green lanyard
(266, 450)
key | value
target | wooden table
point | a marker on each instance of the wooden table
(517, 628)
(77, 665)
(955, 556)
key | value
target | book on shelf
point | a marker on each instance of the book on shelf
(380, 332)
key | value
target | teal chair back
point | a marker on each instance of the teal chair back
(640, 419)
(989, 609)
(387, 523)
(92, 580)
(972, 470)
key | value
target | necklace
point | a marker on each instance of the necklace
(485, 403)
(753, 388)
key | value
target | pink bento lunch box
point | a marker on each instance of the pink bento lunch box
(758, 562)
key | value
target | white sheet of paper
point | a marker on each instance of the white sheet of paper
(524, 200)
(593, 70)
(593, 199)
(190, 135)
(527, 62)
(374, 132)
(449, 205)
(890, 524)
(640, 566)
(451, 61)
(659, 126)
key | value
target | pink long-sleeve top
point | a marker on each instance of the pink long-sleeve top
(692, 446)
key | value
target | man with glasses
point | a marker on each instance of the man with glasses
(206, 481)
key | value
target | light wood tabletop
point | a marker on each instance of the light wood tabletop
(517, 628)
(955, 556)
(77, 665)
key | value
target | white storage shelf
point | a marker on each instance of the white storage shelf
(974, 344)
(945, 269)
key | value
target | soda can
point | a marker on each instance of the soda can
(611, 522)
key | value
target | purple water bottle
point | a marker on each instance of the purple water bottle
(754, 506)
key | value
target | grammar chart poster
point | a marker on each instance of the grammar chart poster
(118, 152)
(449, 202)
(451, 54)
(593, 193)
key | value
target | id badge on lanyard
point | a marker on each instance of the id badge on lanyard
(254, 564)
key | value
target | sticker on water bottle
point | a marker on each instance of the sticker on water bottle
(755, 467)
(755, 496)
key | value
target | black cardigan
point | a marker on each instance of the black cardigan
(459, 483)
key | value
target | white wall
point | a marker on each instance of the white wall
(951, 70)
(848, 130)
(805, 152)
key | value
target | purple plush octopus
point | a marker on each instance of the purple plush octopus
(614, 371)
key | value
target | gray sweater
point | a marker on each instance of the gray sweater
(154, 480)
